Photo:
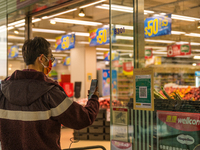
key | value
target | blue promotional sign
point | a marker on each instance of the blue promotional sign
(197, 73)
(13, 52)
(101, 36)
(54, 63)
(157, 26)
(115, 56)
(66, 61)
(65, 42)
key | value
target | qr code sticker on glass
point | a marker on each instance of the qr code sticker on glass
(142, 92)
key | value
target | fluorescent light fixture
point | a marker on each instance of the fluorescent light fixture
(124, 37)
(159, 41)
(83, 42)
(99, 53)
(51, 40)
(177, 32)
(155, 47)
(161, 50)
(123, 50)
(156, 52)
(194, 64)
(182, 42)
(59, 55)
(36, 20)
(156, 15)
(102, 49)
(100, 57)
(116, 8)
(148, 11)
(53, 51)
(10, 43)
(193, 34)
(16, 37)
(82, 34)
(107, 62)
(162, 14)
(19, 25)
(61, 13)
(48, 31)
(16, 32)
(124, 54)
(196, 50)
(87, 5)
(196, 57)
(73, 21)
(185, 18)
(10, 28)
(194, 43)
(124, 45)
(20, 44)
(16, 22)
(124, 26)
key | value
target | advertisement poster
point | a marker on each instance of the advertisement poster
(178, 50)
(101, 36)
(157, 26)
(66, 61)
(148, 53)
(65, 42)
(119, 145)
(13, 52)
(54, 63)
(120, 116)
(143, 88)
(69, 89)
(119, 132)
(115, 56)
(178, 130)
(128, 68)
(106, 82)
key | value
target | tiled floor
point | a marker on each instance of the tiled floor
(66, 134)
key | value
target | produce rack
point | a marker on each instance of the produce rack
(99, 130)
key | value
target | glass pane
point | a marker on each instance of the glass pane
(122, 72)
(3, 41)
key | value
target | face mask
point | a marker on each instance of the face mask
(47, 69)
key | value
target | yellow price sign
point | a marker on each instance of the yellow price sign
(65, 42)
(102, 37)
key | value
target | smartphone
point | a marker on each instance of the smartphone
(93, 86)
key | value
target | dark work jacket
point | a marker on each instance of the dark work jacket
(32, 109)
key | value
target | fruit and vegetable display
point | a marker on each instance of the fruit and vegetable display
(103, 101)
(178, 93)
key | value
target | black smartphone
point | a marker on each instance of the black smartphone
(93, 86)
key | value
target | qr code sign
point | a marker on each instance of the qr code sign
(142, 92)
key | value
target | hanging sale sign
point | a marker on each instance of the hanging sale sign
(101, 36)
(128, 68)
(157, 26)
(13, 52)
(115, 56)
(178, 130)
(65, 42)
(178, 50)
(66, 61)
(148, 53)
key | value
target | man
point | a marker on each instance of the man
(33, 107)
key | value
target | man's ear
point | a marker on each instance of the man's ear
(40, 58)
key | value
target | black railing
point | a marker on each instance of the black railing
(88, 147)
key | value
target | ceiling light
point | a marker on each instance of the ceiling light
(196, 57)
(163, 14)
(122, 9)
(81, 13)
(10, 43)
(194, 64)
(125, 45)
(87, 5)
(52, 22)
(19, 25)
(107, 62)
(82, 34)
(196, 50)
(177, 32)
(73, 21)
(102, 49)
(148, 11)
(51, 40)
(123, 50)
(61, 13)
(124, 26)
(124, 37)
(159, 41)
(83, 42)
(156, 47)
(16, 32)
(16, 37)
(20, 44)
(194, 43)
(156, 52)
(182, 42)
(10, 28)
(48, 31)
(185, 18)
(193, 34)
(16, 22)
(36, 20)
(100, 57)
(130, 55)
(99, 53)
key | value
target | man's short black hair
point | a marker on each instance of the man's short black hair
(34, 48)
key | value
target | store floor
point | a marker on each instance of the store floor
(67, 133)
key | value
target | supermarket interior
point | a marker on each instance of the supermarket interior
(152, 34)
